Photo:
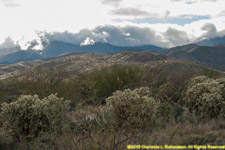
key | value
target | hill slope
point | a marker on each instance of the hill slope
(205, 55)
(82, 63)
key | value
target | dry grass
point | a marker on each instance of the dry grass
(208, 131)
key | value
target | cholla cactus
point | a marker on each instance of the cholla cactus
(30, 115)
(199, 79)
(206, 95)
(133, 108)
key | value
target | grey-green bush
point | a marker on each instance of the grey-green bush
(206, 95)
(30, 115)
(135, 108)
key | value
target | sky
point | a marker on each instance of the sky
(164, 23)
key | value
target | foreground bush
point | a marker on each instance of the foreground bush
(206, 95)
(135, 108)
(29, 115)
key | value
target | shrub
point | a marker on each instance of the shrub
(29, 115)
(133, 108)
(104, 82)
(43, 81)
(167, 111)
(206, 95)
(210, 73)
(199, 79)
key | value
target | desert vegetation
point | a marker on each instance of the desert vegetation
(111, 107)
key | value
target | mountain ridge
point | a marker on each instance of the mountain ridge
(57, 48)
(211, 56)
(212, 41)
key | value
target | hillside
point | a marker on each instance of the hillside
(84, 84)
(213, 57)
(78, 62)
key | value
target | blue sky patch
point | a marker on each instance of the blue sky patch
(182, 20)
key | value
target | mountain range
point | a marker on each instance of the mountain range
(56, 48)
(209, 56)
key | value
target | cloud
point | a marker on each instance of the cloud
(210, 29)
(111, 2)
(179, 12)
(186, 1)
(130, 12)
(209, 32)
(122, 36)
(209, 0)
(176, 37)
(119, 22)
(36, 41)
(11, 3)
(193, 1)
(87, 41)
(134, 35)
(129, 35)
(8, 43)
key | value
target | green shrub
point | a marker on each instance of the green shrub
(29, 115)
(104, 82)
(135, 108)
(176, 84)
(206, 95)
(211, 73)
(166, 111)
(43, 81)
